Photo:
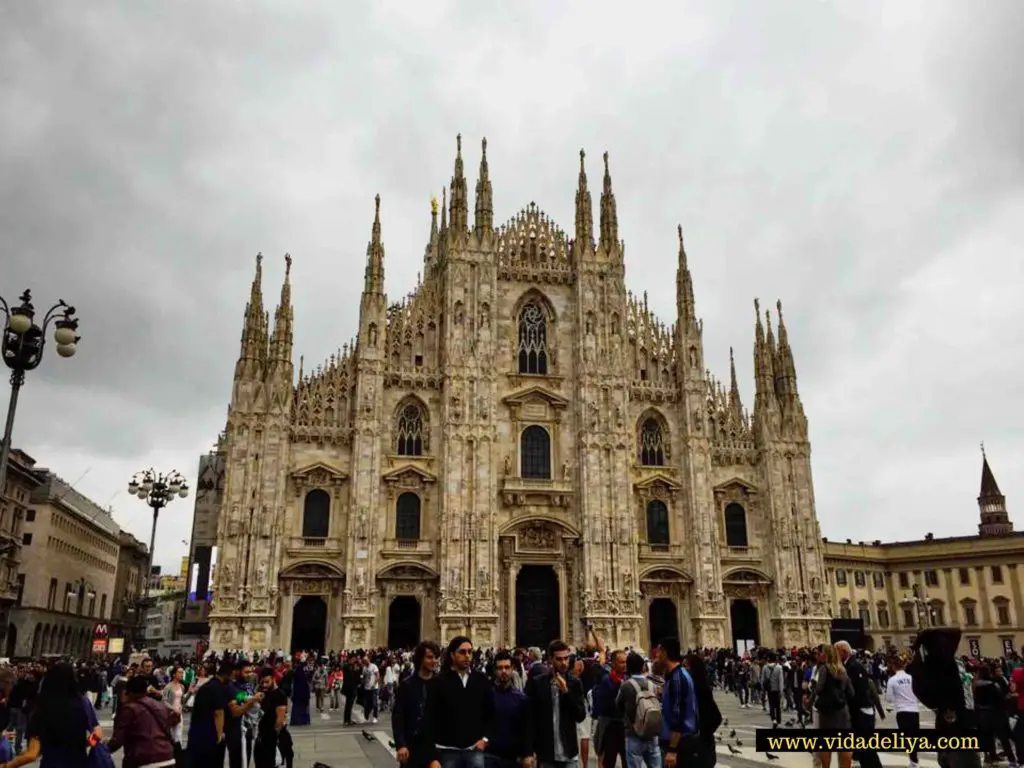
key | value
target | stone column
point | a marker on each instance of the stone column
(986, 606)
(1018, 602)
(513, 573)
(287, 603)
(952, 609)
(563, 603)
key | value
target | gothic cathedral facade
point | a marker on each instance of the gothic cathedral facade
(516, 450)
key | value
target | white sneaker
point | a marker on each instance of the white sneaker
(374, 721)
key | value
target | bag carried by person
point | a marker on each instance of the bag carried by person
(647, 720)
(832, 696)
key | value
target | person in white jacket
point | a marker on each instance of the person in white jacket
(899, 696)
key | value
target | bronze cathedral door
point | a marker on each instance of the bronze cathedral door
(537, 614)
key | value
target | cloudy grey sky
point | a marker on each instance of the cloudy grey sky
(861, 160)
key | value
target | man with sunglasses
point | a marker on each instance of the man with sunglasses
(459, 710)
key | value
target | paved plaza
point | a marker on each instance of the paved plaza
(327, 741)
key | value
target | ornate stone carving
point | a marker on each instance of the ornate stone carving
(536, 537)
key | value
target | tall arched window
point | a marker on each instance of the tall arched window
(410, 430)
(407, 517)
(844, 610)
(657, 522)
(883, 615)
(533, 340)
(316, 514)
(735, 525)
(535, 453)
(652, 443)
(864, 613)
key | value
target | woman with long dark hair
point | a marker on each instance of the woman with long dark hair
(62, 726)
(708, 715)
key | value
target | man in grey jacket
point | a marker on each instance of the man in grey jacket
(772, 681)
(639, 751)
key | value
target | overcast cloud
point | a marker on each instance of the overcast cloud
(862, 161)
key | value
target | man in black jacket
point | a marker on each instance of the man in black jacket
(408, 715)
(460, 710)
(555, 706)
(862, 710)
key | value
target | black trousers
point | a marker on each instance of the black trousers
(774, 706)
(864, 725)
(239, 747)
(909, 723)
(350, 700)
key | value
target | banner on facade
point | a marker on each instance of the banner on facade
(974, 647)
(99, 646)
(116, 645)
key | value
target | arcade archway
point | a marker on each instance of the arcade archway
(309, 624)
(537, 612)
(663, 620)
(745, 626)
(404, 622)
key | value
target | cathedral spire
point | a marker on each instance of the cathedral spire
(764, 376)
(735, 404)
(281, 341)
(584, 208)
(785, 373)
(685, 304)
(459, 212)
(253, 351)
(484, 219)
(430, 252)
(609, 216)
(374, 277)
(995, 520)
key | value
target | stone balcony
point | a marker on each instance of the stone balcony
(299, 546)
(668, 553)
(408, 548)
(523, 492)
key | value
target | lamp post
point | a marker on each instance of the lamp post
(157, 490)
(23, 342)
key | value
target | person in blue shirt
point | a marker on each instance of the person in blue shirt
(678, 704)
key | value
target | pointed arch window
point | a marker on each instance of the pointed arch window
(316, 514)
(652, 443)
(535, 453)
(407, 517)
(533, 340)
(657, 523)
(735, 525)
(410, 430)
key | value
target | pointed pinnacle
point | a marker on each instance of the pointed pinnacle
(458, 143)
(376, 214)
(287, 265)
(483, 147)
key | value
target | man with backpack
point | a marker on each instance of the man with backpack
(640, 707)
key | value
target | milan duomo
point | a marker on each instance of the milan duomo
(515, 449)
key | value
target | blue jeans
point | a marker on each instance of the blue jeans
(462, 758)
(640, 753)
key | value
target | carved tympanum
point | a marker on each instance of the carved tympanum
(537, 537)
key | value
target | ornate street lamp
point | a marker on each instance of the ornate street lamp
(23, 342)
(157, 490)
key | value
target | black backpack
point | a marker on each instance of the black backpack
(933, 670)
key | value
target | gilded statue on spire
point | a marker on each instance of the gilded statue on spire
(433, 204)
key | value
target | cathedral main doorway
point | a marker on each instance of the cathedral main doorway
(537, 612)
(403, 622)
(745, 627)
(663, 620)
(309, 624)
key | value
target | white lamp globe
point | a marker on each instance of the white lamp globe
(64, 334)
(66, 350)
(133, 488)
(142, 493)
(18, 322)
(183, 491)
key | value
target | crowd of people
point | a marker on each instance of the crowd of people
(465, 707)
